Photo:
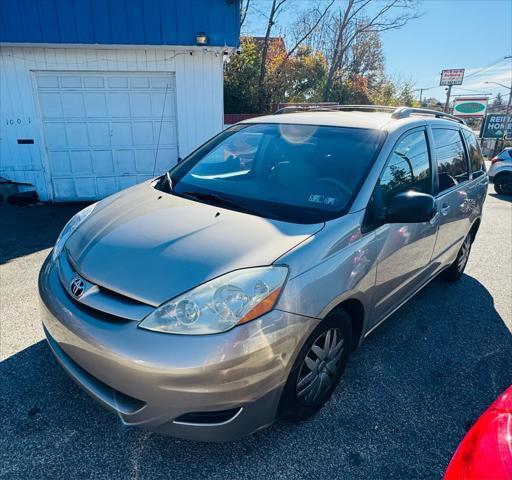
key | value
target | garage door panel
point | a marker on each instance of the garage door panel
(124, 162)
(140, 104)
(85, 187)
(165, 132)
(117, 82)
(165, 159)
(101, 129)
(99, 134)
(127, 181)
(70, 81)
(55, 133)
(139, 82)
(47, 81)
(51, 105)
(95, 104)
(145, 160)
(160, 82)
(81, 162)
(102, 162)
(119, 104)
(64, 188)
(120, 133)
(73, 105)
(157, 105)
(91, 81)
(77, 134)
(106, 186)
(143, 133)
(59, 162)
(143, 178)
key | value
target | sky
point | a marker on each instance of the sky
(472, 34)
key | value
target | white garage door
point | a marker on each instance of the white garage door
(102, 129)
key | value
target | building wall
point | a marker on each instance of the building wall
(199, 97)
(120, 22)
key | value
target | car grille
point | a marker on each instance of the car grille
(98, 298)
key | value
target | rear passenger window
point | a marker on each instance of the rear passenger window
(408, 168)
(452, 164)
(475, 155)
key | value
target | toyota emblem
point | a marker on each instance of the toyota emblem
(77, 286)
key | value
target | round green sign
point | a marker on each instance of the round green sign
(470, 107)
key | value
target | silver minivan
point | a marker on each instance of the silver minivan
(231, 290)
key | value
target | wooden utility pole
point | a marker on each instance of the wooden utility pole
(447, 104)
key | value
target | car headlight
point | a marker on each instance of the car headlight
(69, 228)
(220, 304)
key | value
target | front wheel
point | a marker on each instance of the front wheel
(503, 184)
(318, 368)
(456, 269)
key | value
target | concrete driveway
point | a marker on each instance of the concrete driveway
(408, 396)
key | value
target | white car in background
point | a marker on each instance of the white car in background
(500, 172)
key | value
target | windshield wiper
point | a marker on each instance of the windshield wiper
(226, 202)
(211, 197)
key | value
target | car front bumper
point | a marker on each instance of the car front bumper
(150, 379)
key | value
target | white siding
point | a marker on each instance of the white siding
(199, 98)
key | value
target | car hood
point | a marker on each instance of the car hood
(151, 246)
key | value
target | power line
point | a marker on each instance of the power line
(484, 69)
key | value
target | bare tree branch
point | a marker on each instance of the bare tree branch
(244, 7)
(301, 40)
(349, 27)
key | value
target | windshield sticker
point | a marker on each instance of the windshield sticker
(323, 199)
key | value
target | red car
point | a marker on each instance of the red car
(485, 453)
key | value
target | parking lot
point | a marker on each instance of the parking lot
(407, 398)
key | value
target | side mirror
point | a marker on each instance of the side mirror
(411, 207)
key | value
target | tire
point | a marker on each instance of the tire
(313, 379)
(456, 269)
(503, 184)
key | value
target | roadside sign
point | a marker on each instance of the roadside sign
(494, 126)
(453, 76)
(470, 107)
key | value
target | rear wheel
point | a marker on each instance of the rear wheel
(456, 269)
(503, 184)
(318, 368)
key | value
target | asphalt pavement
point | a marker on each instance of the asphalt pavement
(409, 394)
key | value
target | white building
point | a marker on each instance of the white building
(89, 107)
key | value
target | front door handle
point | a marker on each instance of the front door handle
(445, 209)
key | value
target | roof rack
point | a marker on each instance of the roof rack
(396, 112)
(404, 112)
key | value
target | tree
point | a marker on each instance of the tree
(240, 72)
(275, 8)
(306, 72)
(295, 78)
(406, 96)
(366, 59)
(346, 27)
(498, 101)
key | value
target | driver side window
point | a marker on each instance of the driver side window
(408, 168)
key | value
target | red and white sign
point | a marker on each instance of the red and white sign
(452, 77)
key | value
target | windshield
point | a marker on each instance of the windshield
(295, 173)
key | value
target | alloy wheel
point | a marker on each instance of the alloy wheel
(503, 185)
(464, 253)
(320, 368)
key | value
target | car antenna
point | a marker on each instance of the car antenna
(160, 129)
